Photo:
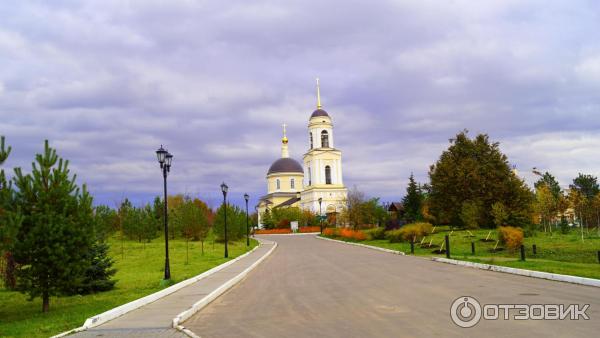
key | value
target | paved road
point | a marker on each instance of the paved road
(314, 288)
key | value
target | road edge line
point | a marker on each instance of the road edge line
(199, 305)
(523, 272)
(396, 252)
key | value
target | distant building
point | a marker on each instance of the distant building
(290, 184)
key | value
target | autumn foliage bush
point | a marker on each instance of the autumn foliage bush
(345, 233)
(308, 229)
(511, 237)
(273, 231)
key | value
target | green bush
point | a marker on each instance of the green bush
(413, 231)
(394, 236)
(375, 233)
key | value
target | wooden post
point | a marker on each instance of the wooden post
(534, 249)
(412, 247)
(472, 248)
(447, 238)
(522, 252)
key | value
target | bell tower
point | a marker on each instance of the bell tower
(322, 165)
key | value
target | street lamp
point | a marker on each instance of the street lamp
(224, 189)
(164, 159)
(320, 214)
(247, 197)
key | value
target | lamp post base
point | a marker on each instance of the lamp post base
(166, 282)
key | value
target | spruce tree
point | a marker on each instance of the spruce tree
(54, 240)
(413, 201)
(97, 277)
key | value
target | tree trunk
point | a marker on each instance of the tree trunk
(202, 248)
(45, 302)
(187, 251)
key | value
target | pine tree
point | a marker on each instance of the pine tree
(10, 221)
(413, 201)
(53, 243)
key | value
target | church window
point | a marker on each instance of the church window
(278, 184)
(309, 177)
(327, 175)
(324, 139)
(293, 183)
(311, 140)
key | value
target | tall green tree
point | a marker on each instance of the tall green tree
(57, 229)
(587, 187)
(236, 223)
(191, 219)
(550, 181)
(10, 220)
(476, 170)
(413, 201)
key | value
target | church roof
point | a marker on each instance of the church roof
(285, 165)
(319, 112)
(289, 202)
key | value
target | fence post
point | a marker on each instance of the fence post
(534, 249)
(447, 238)
(412, 247)
(522, 252)
(472, 248)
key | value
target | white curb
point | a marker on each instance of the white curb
(364, 246)
(185, 315)
(125, 308)
(523, 272)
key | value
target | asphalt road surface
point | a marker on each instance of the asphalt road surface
(314, 288)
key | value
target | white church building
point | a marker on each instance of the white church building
(290, 184)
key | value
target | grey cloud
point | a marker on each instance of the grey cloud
(108, 82)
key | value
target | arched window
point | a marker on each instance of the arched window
(311, 140)
(309, 177)
(324, 139)
(278, 184)
(293, 183)
(327, 175)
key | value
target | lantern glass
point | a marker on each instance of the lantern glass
(161, 153)
(168, 159)
(246, 197)
(224, 188)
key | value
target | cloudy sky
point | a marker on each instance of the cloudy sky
(107, 82)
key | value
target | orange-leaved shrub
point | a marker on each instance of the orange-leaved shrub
(331, 232)
(309, 229)
(356, 235)
(511, 237)
(273, 231)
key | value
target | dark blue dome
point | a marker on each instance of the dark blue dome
(285, 165)
(319, 112)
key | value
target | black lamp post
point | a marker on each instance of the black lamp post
(320, 215)
(164, 159)
(247, 197)
(224, 189)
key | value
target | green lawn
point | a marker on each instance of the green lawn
(556, 252)
(140, 270)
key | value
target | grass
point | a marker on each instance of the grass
(140, 270)
(556, 252)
